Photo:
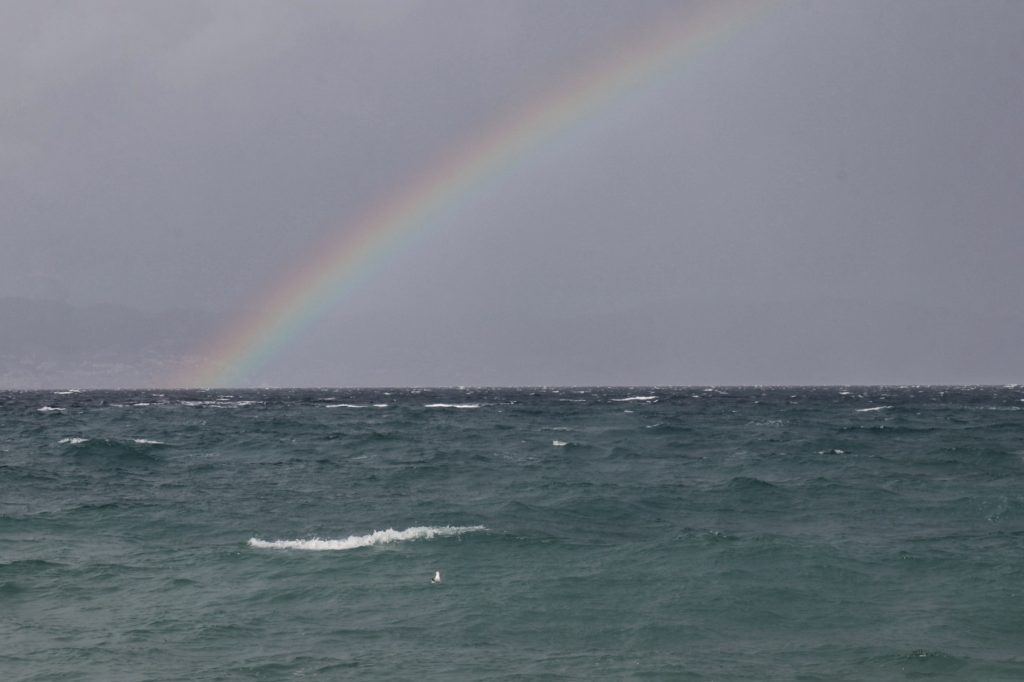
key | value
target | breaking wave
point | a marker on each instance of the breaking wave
(378, 537)
(78, 440)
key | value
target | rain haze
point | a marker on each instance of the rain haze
(824, 193)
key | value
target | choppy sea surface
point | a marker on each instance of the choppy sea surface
(833, 533)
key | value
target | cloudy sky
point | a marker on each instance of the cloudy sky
(833, 192)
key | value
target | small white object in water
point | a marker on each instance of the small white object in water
(437, 578)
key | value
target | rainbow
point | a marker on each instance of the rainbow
(336, 268)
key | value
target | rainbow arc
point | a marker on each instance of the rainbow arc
(334, 268)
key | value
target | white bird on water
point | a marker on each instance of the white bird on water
(437, 578)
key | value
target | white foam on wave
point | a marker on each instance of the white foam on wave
(634, 398)
(356, 406)
(458, 406)
(378, 537)
(48, 408)
(146, 441)
(559, 443)
(222, 403)
(874, 409)
(70, 391)
(74, 440)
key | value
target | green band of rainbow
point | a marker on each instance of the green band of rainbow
(335, 268)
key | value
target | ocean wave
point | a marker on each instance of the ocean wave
(356, 406)
(633, 398)
(378, 537)
(220, 403)
(459, 406)
(874, 409)
(48, 408)
(114, 449)
(78, 440)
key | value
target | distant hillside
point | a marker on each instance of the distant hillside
(46, 344)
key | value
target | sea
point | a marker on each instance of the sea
(619, 533)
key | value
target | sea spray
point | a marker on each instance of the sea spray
(379, 537)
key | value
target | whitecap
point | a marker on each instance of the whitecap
(378, 537)
(766, 422)
(458, 406)
(356, 406)
(47, 408)
(146, 441)
(874, 409)
(559, 443)
(633, 398)
(220, 403)
(74, 440)
(70, 391)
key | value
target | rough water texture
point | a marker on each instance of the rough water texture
(647, 533)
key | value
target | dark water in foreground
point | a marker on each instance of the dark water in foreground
(651, 533)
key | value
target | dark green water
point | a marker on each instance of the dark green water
(648, 533)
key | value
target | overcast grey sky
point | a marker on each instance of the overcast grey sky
(834, 194)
